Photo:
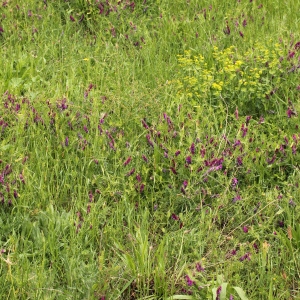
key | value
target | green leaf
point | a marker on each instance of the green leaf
(240, 292)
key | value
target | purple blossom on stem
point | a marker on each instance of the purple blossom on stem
(67, 142)
(219, 289)
(149, 140)
(234, 182)
(236, 198)
(145, 158)
(111, 145)
(231, 297)
(173, 170)
(290, 112)
(175, 217)
(244, 130)
(72, 18)
(189, 281)
(145, 124)
(22, 178)
(245, 229)
(192, 148)
(177, 152)
(142, 187)
(127, 161)
(245, 256)
(138, 177)
(185, 183)
(199, 267)
(239, 161)
(130, 172)
(188, 160)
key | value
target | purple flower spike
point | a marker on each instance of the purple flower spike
(245, 229)
(177, 152)
(231, 297)
(189, 281)
(128, 160)
(175, 217)
(145, 158)
(234, 182)
(219, 289)
(145, 124)
(188, 160)
(67, 142)
(142, 187)
(199, 267)
(185, 183)
(130, 172)
(192, 148)
(245, 256)
(290, 113)
(72, 18)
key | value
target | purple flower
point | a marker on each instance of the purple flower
(219, 289)
(185, 183)
(72, 18)
(245, 256)
(244, 129)
(175, 217)
(85, 129)
(227, 30)
(127, 161)
(236, 198)
(142, 187)
(192, 148)
(231, 297)
(177, 152)
(188, 160)
(239, 161)
(234, 182)
(199, 267)
(145, 124)
(67, 142)
(88, 210)
(138, 177)
(290, 113)
(173, 170)
(241, 34)
(292, 203)
(189, 281)
(245, 229)
(145, 158)
(149, 140)
(130, 172)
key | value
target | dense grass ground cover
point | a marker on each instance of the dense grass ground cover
(149, 149)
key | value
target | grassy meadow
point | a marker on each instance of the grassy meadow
(150, 149)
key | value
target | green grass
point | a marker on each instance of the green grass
(128, 170)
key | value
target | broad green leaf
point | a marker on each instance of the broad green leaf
(240, 292)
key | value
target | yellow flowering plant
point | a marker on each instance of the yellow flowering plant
(246, 80)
